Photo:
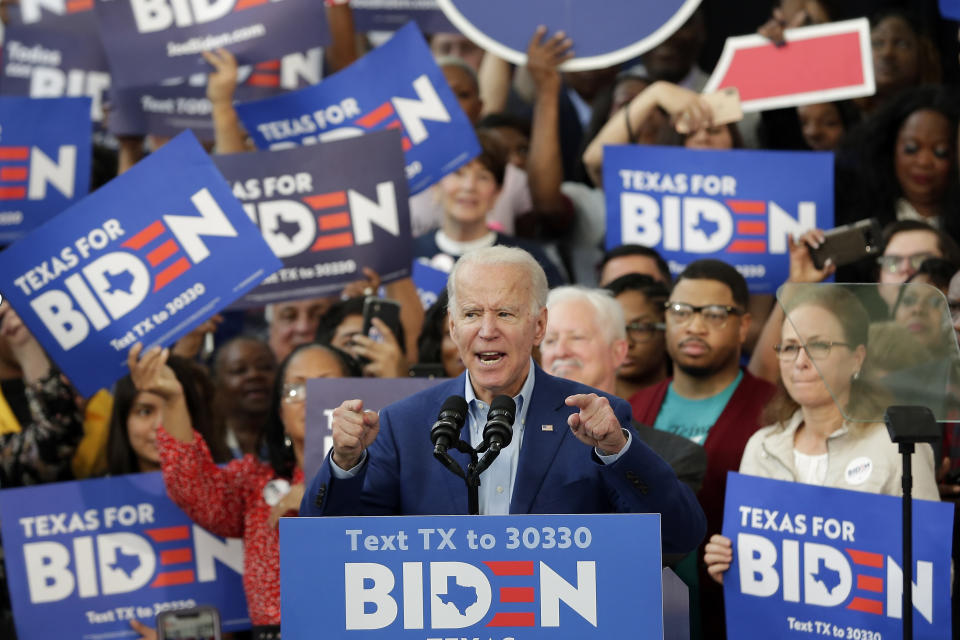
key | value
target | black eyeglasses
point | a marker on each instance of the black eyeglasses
(644, 331)
(714, 315)
(817, 349)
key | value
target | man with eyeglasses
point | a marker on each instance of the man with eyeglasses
(710, 399)
(641, 297)
(907, 244)
(585, 341)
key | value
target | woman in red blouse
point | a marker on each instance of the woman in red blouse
(247, 497)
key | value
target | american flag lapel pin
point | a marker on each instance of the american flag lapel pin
(546, 427)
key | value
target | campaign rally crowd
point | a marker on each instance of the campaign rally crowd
(683, 361)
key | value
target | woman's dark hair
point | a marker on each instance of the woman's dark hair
(867, 400)
(198, 392)
(430, 341)
(873, 145)
(492, 155)
(939, 272)
(273, 436)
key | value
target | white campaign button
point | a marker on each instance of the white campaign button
(274, 491)
(858, 470)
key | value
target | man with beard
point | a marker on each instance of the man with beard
(710, 399)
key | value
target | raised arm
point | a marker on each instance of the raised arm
(544, 163)
(343, 48)
(228, 134)
(686, 108)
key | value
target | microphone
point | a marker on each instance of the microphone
(445, 432)
(498, 431)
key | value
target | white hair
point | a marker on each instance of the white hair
(500, 255)
(463, 65)
(607, 311)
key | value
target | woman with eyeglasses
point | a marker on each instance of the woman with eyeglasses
(821, 353)
(246, 498)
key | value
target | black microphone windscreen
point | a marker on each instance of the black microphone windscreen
(504, 404)
(456, 405)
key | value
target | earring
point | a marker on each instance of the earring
(856, 376)
(287, 442)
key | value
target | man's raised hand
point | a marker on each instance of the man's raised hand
(596, 424)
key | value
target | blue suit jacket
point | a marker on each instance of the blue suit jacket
(556, 473)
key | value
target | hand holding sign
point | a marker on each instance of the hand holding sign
(596, 424)
(151, 374)
(718, 555)
(30, 355)
(222, 82)
(545, 56)
(353, 431)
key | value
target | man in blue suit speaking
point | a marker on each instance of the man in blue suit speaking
(573, 449)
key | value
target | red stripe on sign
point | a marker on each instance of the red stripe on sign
(168, 533)
(142, 238)
(170, 274)
(866, 606)
(13, 193)
(815, 64)
(171, 578)
(513, 620)
(517, 594)
(747, 206)
(866, 558)
(511, 567)
(376, 116)
(870, 583)
(246, 4)
(747, 246)
(334, 221)
(13, 174)
(335, 241)
(269, 65)
(263, 80)
(14, 153)
(405, 143)
(162, 252)
(176, 556)
(73, 6)
(327, 200)
(754, 227)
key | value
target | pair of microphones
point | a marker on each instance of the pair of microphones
(497, 432)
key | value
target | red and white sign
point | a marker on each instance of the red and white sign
(820, 63)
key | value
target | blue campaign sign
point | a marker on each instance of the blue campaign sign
(812, 560)
(387, 15)
(327, 211)
(45, 155)
(396, 86)
(84, 558)
(950, 9)
(46, 55)
(145, 258)
(535, 577)
(603, 33)
(739, 206)
(151, 40)
(181, 103)
(429, 282)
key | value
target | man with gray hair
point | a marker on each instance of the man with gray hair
(497, 315)
(585, 341)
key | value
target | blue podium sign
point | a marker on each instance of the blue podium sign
(739, 206)
(811, 560)
(532, 577)
(85, 558)
(603, 33)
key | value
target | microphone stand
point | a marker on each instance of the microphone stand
(472, 476)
